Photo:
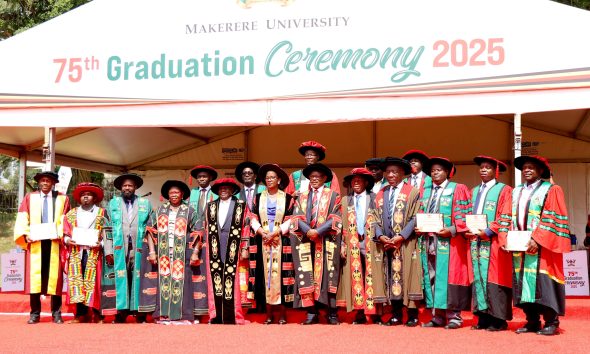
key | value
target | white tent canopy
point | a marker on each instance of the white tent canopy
(160, 86)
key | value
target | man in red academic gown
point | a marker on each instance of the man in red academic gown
(491, 266)
(539, 207)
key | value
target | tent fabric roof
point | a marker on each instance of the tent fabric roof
(138, 148)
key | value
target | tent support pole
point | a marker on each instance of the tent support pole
(374, 138)
(22, 176)
(517, 145)
(49, 149)
(246, 145)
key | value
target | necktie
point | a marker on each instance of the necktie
(479, 194)
(249, 197)
(202, 195)
(432, 206)
(391, 199)
(314, 209)
(45, 215)
(360, 216)
(415, 181)
(129, 209)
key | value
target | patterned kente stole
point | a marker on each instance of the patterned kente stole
(81, 286)
(171, 263)
(223, 271)
(309, 292)
(400, 209)
(362, 289)
(438, 297)
(271, 256)
(526, 265)
(480, 250)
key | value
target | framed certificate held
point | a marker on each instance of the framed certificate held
(517, 241)
(85, 237)
(476, 222)
(44, 231)
(429, 222)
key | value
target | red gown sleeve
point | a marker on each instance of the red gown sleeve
(291, 187)
(504, 203)
(553, 230)
(461, 206)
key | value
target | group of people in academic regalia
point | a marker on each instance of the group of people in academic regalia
(270, 241)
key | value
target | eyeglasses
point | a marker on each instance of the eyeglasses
(247, 173)
(270, 178)
(311, 154)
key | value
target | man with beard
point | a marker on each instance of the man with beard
(374, 166)
(313, 152)
(491, 270)
(539, 207)
(394, 221)
(418, 179)
(227, 254)
(316, 229)
(361, 281)
(444, 253)
(167, 282)
(122, 248)
(36, 230)
(247, 174)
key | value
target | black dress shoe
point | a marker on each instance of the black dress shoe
(549, 330)
(453, 325)
(413, 322)
(497, 327)
(393, 322)
(479, 327)
(529, 328)
(33, 320)
(430, 325)
(267, 321)
(333, 320)
(359, 320)
(58, 319)
(310, 320)
(377, 320)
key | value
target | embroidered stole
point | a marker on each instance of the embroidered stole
(171, 267)
(362, 289)
(223, 271)
(480, 250)
(271, 256)
(311, 292)
(81, 286)
(397, 224)
(526, 265)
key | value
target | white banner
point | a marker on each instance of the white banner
(225, 50)
(575, 269)
(13, 271)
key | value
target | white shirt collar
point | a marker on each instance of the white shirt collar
(489, 183)
(442, 185)
(533, 185)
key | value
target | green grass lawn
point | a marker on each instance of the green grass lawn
(6, 243)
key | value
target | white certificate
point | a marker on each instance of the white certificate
(517, 241)
(85, 237)
(46, 231)
(304, 186)
(476, 222)
(429, 222)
